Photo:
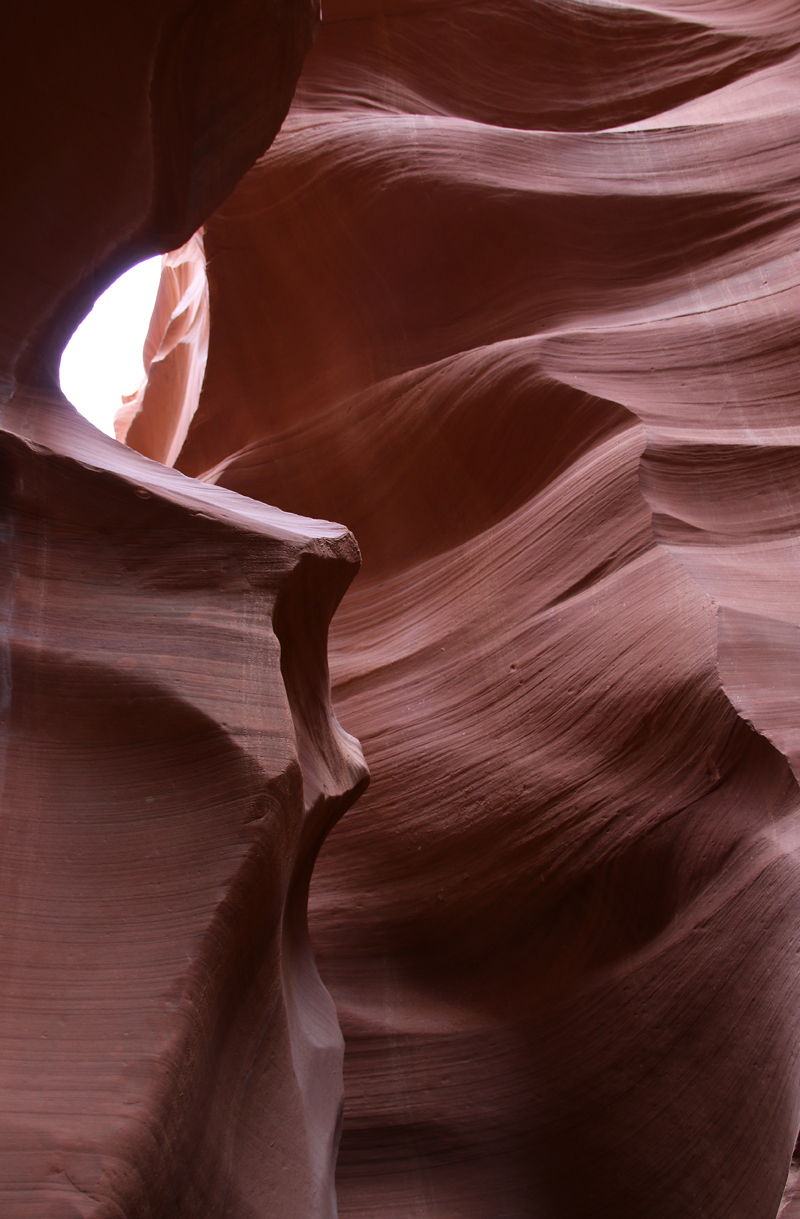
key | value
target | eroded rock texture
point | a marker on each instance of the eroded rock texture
(515, 296)
(169, 760)
(170, 769)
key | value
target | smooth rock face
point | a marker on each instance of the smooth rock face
(131, 122)
(516, 297)
(169, 759)
(156, 418)
(171, 765)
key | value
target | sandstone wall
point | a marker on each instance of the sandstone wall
(515, 296)
(169, 759)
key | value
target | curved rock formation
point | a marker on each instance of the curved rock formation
(175, 354)
(515, 296)
(169, 760)
(171, 766)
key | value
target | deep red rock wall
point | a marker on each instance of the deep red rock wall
(515, 296)
(169, 760)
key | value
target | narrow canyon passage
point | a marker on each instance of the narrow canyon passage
(514, 296)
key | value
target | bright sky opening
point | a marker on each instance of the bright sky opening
(103, 359)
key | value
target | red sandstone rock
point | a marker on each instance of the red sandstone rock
(171, 766)
(169, 761)
(515, 296)
(156, 418)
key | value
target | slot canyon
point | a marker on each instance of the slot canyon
(401, 717)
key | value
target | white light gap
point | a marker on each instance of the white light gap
(103, 359)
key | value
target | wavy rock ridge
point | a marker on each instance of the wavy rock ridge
(524, 282)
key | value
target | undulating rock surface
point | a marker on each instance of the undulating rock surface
(176, 350)
(516, 297)
(169, 759)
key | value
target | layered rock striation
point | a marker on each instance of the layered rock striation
(170, 767)
(515, 296)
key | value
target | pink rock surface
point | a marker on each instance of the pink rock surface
(175, 354)
(515, 296)
(171, 766)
